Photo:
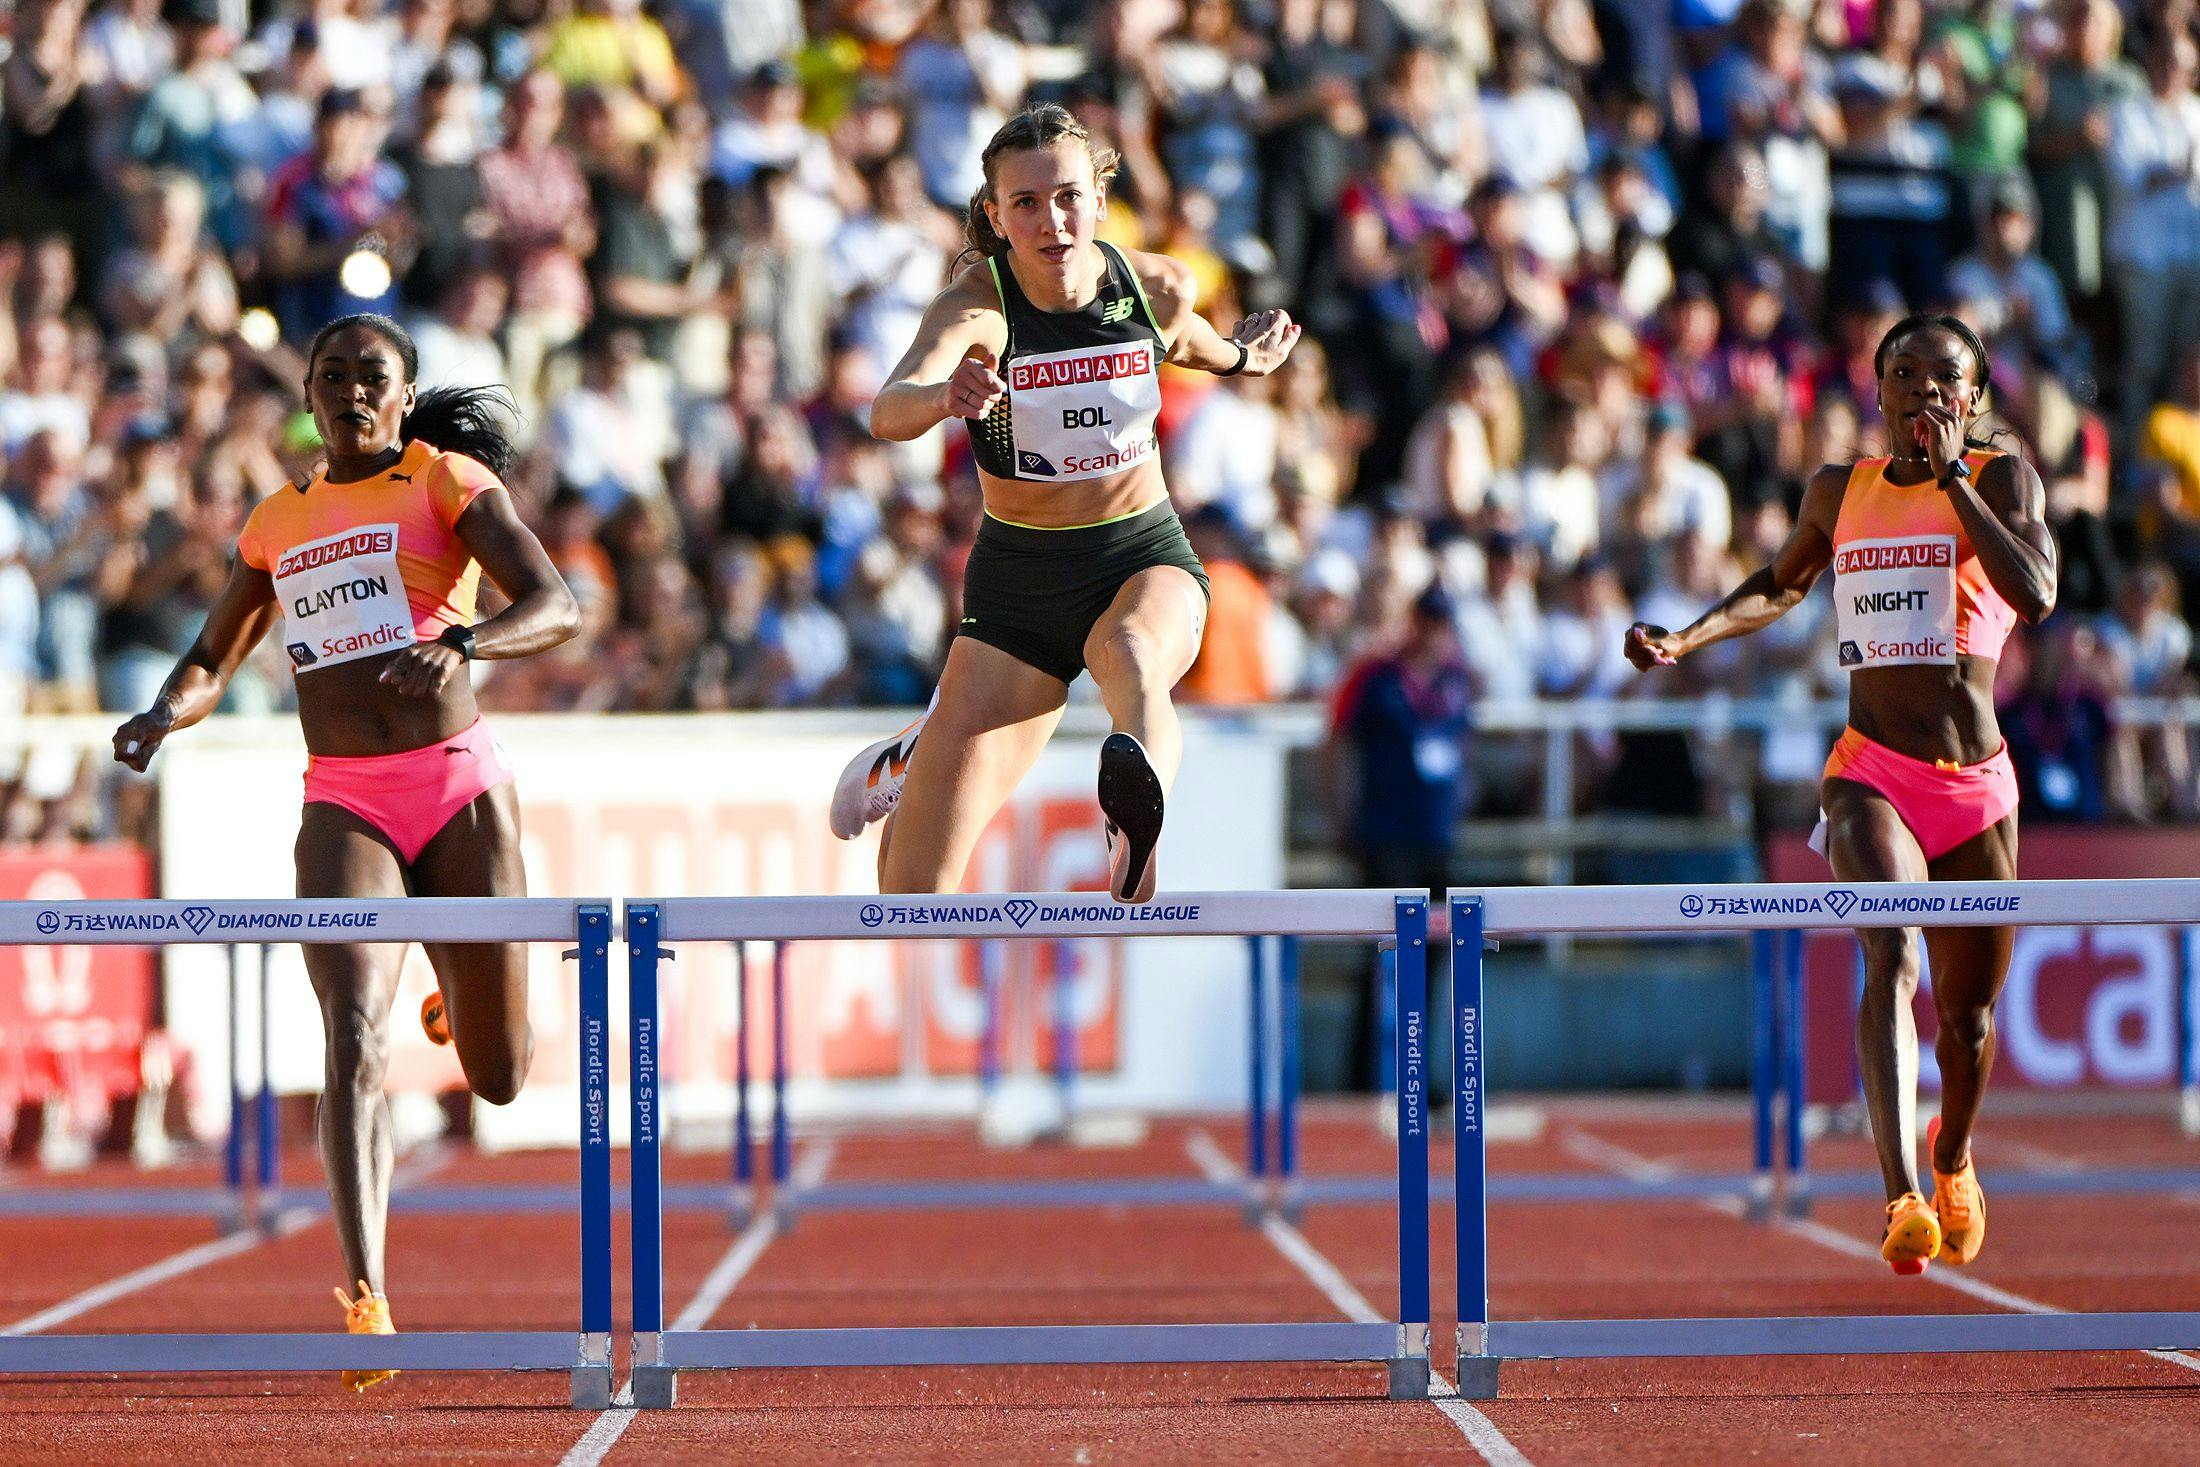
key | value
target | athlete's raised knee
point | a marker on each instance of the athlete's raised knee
(498, 1076)
(1128, 655)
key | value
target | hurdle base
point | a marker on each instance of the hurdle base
(1478, 1377)
(591, 1388)
(1408, 1377)
(656, 1387)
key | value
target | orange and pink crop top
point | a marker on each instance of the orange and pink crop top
(1907, 585)
(373, 566)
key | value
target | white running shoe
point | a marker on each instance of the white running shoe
(870, 787)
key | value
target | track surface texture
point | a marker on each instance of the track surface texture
(1152, 1264)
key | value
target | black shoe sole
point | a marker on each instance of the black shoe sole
(1130, 797)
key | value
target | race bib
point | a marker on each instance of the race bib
(343, 597)
(1080, 414)
(1895, 601)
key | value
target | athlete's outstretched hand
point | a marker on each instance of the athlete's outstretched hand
(421, 670)
(138, 740)
(1267, 337)
(1649, 646)
(976, 386)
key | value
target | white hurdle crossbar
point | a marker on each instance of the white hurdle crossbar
(1401, 1344)
(1614, 910)
(584, 1353)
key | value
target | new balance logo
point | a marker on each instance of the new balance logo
(1117, 310)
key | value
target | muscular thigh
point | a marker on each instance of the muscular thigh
(995, 714)
(476, 854)
(1867, 841)
(340, 855)
(1970, 963)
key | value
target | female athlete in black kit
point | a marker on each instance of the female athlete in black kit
(1051, 346)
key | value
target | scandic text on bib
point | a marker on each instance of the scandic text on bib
(343, 597)
(1895, 601)
(1083, 413)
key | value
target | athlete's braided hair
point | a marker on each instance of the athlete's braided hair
(1957, 327)
(468, 420)
(1034, 127)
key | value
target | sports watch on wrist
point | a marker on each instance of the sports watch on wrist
(1956, 473)
(459, 639)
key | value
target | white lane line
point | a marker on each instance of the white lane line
(755, 1238)
(426, 1163)
(1481, 1433)
(1614, 1158)
(604, 1432)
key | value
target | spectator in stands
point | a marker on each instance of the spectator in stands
(441, 159)
(19, 614)
(1232, 666)
(2085, 84)
(2058, 724)
(184, 121)
(1892, 201)
(458, 344)
(171, 284)
(962, 78)
(2010, 293)
(1665, 492)
(335, 220)
(2152, 644)
(2153, 231)
(41, 394)
(59, 533)
(540, 226)
(1398, 774)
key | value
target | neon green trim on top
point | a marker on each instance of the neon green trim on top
(1140, 286)
(1114, 519)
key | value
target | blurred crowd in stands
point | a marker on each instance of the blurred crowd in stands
(1590, 288)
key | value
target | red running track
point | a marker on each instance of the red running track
(1164, 1264)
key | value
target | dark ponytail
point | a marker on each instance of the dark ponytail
(469, 420)
(474, 421)
(1957, 327)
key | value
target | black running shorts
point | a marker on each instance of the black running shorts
(1036, 594)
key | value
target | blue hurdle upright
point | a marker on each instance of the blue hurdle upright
(584, 1354)
(1775, 911)
(1397, 918)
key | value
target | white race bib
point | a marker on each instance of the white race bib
(343, 597)
(1895, 601)
(1080, 414)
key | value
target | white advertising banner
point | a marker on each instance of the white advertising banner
(730, 806)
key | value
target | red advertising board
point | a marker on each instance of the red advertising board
(73, 1018)
(2084, 1007)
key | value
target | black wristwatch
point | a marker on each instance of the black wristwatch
(1244, 355)
(1956, 473)
(459, 639)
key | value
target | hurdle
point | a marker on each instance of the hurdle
(1399, 918)
(1759, 908)
(585, 1354)
(1270, 1183)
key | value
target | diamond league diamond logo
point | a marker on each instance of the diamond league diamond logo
(1691, 905)
(1019, 911)
(1840, 899)
(197, 918)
